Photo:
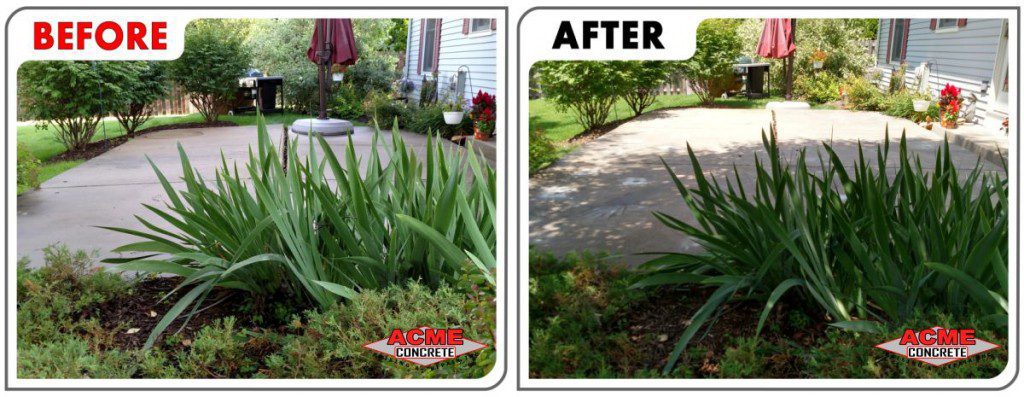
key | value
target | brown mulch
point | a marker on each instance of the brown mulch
(94, 149)
(129, 318)
(656, 324)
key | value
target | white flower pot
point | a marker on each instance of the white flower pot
(818, 64)
(452, 118)
(338, 76)
(921, 105)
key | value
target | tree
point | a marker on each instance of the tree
(709, 70)
(208, 69)
(642, 79)
(143, 83)
(586, 88)
(71, 96)
(279, 49)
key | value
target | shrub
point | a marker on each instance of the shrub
(643, 78)
(372, 74)
(484, 112)
(901, 104)
(428, 90)
(384, 110)
(28, 168)
(430, 119)
(323, 240)
(542, 151)
(144, 83)
(863, 249)
(862, 94)
(346, 103)
(71, 96)
(817, 88)
(208, 69)
(709, 70)
(588, 89)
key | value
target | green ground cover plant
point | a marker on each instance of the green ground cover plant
(60, 331)
(284, 228)
(587, 322)
(861, 247)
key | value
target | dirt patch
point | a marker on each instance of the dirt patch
(656, 324)
(130, 318)
(97, 148)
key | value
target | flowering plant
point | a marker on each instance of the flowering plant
(949, 103)
(818, 56)
(484, 111)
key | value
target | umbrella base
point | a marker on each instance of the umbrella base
(325, 127)
(787, 105)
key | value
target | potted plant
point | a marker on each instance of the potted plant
(452, 110)
(484, 114)
(818, 58)
(921, 105)
(949, 106)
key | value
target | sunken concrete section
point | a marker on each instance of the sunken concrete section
(108, 190)
(601, 196)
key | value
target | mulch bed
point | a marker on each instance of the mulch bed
(131, 317)
(656, 324)
(94, 149)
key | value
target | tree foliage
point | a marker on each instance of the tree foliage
(586, 88)
(709, 70)
(208, 69)
(71, 96)
(143, 84)
(642, 79)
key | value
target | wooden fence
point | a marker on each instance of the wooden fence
(175, 103)
(675, 85)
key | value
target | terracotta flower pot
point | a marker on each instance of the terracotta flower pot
(950, 124)
(480, 135)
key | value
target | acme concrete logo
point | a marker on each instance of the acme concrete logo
(424, 345)
(937, 346)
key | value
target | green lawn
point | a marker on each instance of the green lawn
(41, 142)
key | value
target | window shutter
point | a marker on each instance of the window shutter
(961, 22)
(465, 25)
(437, 44)
(494, 24)
(888, 43)
(419, 58)
(906, 37)
(932, 25)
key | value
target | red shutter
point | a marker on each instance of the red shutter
(419, 58)
(961, 22)
(494, 24)
(933, 24)
(465, 25)
(906, 36)
(437, 43)
(888, 43)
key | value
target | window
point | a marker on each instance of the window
(479, 25)
(898, 36)
(946, 23)
(429, 45)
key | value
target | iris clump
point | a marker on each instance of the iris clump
(861, 245)
(320, 228)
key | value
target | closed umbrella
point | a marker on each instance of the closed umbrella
(778, 40)
(333, 43)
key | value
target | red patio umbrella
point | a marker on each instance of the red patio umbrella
(778, 40)
(333, 43)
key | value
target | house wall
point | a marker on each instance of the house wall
(477, 51)
(965, 57)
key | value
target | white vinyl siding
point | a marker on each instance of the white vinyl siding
(476, 51)
(965, 58)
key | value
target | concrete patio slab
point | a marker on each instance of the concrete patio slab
(109, 189)
(601, 196)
